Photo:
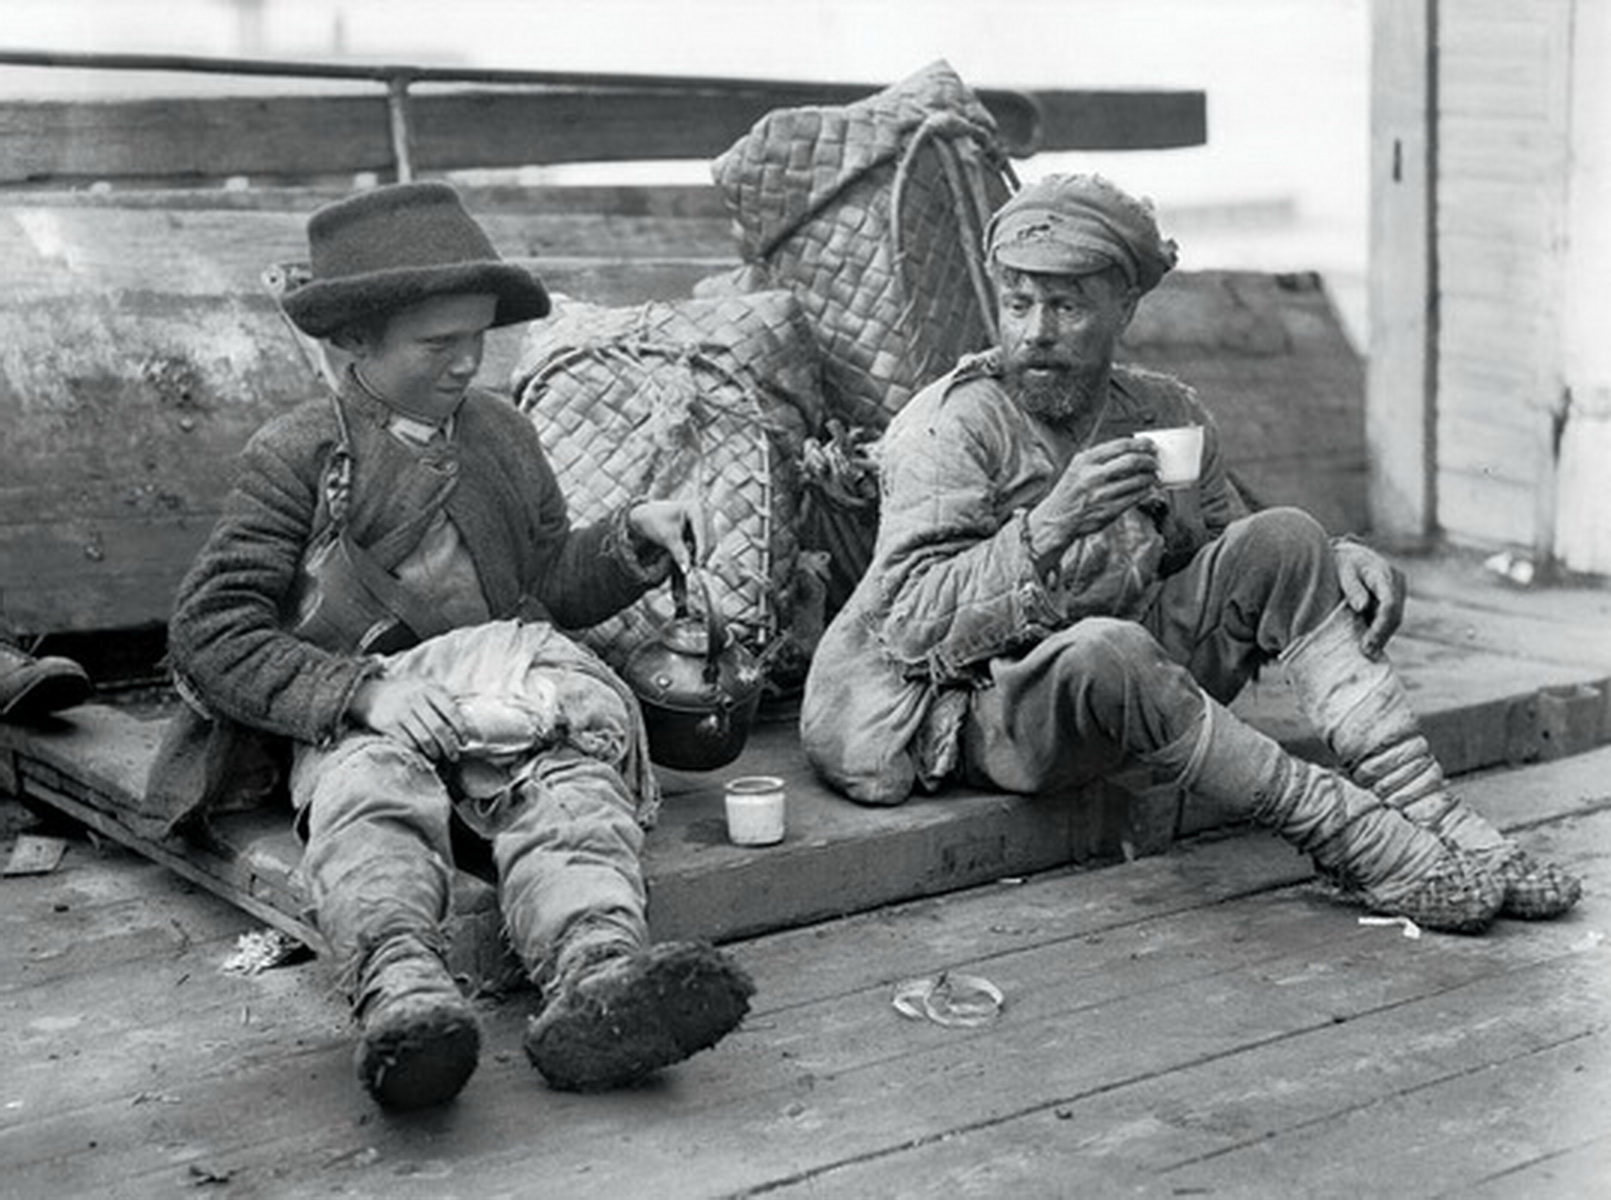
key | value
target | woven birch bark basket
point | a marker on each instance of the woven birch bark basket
(706, 398)
(873, 215)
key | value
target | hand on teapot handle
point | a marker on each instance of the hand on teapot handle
(679, 527)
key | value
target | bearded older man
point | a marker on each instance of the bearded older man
(1040, 612)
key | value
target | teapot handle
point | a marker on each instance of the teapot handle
(715, 627)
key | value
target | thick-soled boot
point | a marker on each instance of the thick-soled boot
(420, 1038)
(615, 1014)
(1367, 847)
(1359, 706)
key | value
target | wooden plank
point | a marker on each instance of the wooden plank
(813, 1092)
(280, 136)
(1506, 1114)
(95, 919)
(1240, 1002)
(1337, 1110)
(1401, 373)
(238, 890)
(1576, 1172)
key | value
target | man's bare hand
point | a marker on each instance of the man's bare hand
(1373, 588)
(1097, 486)
(416, 712)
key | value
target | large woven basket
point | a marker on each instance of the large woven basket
(710, 398)
(873, 215)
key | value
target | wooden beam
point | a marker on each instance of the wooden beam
(1401, 376)
(300, 136)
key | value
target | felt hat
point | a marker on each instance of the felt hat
(1076, 225)
(393, 246)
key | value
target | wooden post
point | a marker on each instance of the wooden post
(1401, 375)
(1582, 511)
(397, 110)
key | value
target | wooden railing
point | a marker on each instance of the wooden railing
(437, 119)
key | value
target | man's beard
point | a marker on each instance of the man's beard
(1057, 398)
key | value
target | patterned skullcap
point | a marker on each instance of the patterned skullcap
(1077, 224)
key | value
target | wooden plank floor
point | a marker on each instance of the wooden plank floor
(1200, 1023)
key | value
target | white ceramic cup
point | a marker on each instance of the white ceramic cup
(755, 810)
(1180, 453)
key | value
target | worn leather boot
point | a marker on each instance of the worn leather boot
(1370, 850)
(419, 1037)
(31, 688)
(615, 1014)
(1359, 706)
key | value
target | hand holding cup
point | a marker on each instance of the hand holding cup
(1180, 453)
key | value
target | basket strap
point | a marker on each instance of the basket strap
(946, 131)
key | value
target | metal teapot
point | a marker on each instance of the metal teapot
(698, 688)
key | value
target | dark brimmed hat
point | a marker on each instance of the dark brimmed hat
(1076, 225)
(394, 246)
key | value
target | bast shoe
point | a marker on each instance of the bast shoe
(1535, 890)
(627, 1015)
(1457, 895)
(32, 688)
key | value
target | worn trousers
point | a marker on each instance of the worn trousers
(378, 859)
(1095, 699)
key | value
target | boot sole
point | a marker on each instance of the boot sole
(670, 1003)
(46, 696)
(420, 1062)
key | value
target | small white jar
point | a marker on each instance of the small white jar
(755, 810)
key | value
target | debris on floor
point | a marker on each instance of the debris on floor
(1411, 929)
(261, 950)
(35, 855)
(947, 999)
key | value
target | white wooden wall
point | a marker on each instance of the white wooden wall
(1583, 511)
(1490, 383)
(1503, 90)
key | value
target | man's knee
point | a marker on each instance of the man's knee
(1107, 646)
(1103, 657)
(1280, 550)
(1281, 534)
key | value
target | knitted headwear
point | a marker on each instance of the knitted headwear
(394, 246)
(1077, 224)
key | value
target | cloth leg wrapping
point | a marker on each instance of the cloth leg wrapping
(1347, 831)
(378, 849)
(1352, 835)
(1359, 707)
(569, 874)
